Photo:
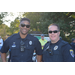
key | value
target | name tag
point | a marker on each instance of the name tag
(13, 44)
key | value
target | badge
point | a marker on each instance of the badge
(30, 42)
(13, 44)
(56, 47)
(72, 53)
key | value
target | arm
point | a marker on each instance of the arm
(68, 55)
(4, 50)
(38, 50)
(3, 57)
(39, 58)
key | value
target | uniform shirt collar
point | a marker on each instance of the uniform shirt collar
(27, 37)
(56, 42)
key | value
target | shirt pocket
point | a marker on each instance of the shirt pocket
(56, 55)
(30, 49)
(56, 52)
(14, 51)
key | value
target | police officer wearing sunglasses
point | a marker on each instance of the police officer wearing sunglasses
(22, 45)
(57, 50)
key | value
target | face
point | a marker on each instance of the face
(54, 36)
(23, 29)
(42, 37)
(74, 41)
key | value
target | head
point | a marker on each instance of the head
(73, 40)
(24, 26)
(54, 32)
(42, 36)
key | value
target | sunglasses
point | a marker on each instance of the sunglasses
(55, 31)
(23, 25)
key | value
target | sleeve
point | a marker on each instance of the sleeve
(38, 47)
(68, 53)
(5, 46)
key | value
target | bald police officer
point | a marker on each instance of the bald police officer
(57, 50)
(22, 45)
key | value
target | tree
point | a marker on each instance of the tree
(34, 18)
(2, 15)
(41, 20)
(4, 31)
(14, 26)
(64, 19)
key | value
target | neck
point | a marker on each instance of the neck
(42, 39)
(55, 41)
(23, 36)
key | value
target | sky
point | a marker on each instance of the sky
(11, 17)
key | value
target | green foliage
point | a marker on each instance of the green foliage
(2, 15)
(4, 31)
(14, 26)
(34, 18)
(41, 20)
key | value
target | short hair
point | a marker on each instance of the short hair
(73, 39)
(54, 25)
(25, 19)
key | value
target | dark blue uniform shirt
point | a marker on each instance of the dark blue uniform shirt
(73, 46)
(58, 52)
(13, 43)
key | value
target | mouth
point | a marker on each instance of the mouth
(52, 36)
(24, 30)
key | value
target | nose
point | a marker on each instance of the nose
(52, 32)
(24, 26)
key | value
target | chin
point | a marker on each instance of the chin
(52, 38)
(24, 33)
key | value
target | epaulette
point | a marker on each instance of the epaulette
(64, 42)
(13, 35)
(10, 37)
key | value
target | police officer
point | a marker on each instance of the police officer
(57, 50)
(22, 45)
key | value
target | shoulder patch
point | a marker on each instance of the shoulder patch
(72, 53)
(64, 42)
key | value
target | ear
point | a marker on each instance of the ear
(59, 33)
